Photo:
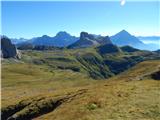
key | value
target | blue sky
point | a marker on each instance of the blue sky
(32, 19)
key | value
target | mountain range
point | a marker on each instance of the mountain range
(99, 81)
(17, 41)
(64, 39)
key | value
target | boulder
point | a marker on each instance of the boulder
(8, 50)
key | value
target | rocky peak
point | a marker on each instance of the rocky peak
(8, 50)
(85, 35)
(124, 33)
(124, 38)
(105, 40)
(45, 36)
(62, 34)
(89, 40)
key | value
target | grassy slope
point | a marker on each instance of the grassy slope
(20, 80)
(47, 71)
(121, 97)
(118, 98)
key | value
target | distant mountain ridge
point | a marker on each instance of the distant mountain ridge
(62, 39)
(17, 41)
(124, 38)
(89, 40)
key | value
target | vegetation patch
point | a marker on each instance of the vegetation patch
(37, 106)
(92, 106)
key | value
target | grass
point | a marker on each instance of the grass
(42, 91)
(125, 100)
(117, 98)
(21, 80)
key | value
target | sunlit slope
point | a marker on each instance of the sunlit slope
(21, 80)
(48, 71)
(144, 70)
(123, 97)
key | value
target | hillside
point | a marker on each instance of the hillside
(96, 62)
(129, 49)
(80, 81)
(121, 97)
(80, 60)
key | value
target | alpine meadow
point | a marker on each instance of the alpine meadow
(80, 60)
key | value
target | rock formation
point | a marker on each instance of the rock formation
(88, 40)
(8, 50)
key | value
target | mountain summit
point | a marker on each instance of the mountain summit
(61, 39)
(88, 40)
(124, 38)
(62, 34)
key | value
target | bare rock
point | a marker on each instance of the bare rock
(8, 50)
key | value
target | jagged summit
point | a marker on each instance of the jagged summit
(85, 35)
(88, 40)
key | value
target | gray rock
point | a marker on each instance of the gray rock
(8, 50)
(89, 40)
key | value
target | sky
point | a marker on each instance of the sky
(29, 19)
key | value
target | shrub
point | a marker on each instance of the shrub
(91, 106)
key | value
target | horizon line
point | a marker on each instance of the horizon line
(103, 34)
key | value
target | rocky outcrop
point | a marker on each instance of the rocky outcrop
(8, 50)
(88, 40)
(31, 108)
(129, 49)
(108, 48)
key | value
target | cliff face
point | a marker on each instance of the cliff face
(8, 50)
(88, 40)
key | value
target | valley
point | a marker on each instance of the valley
(80, 60)
(104, 82)
(133, 94)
